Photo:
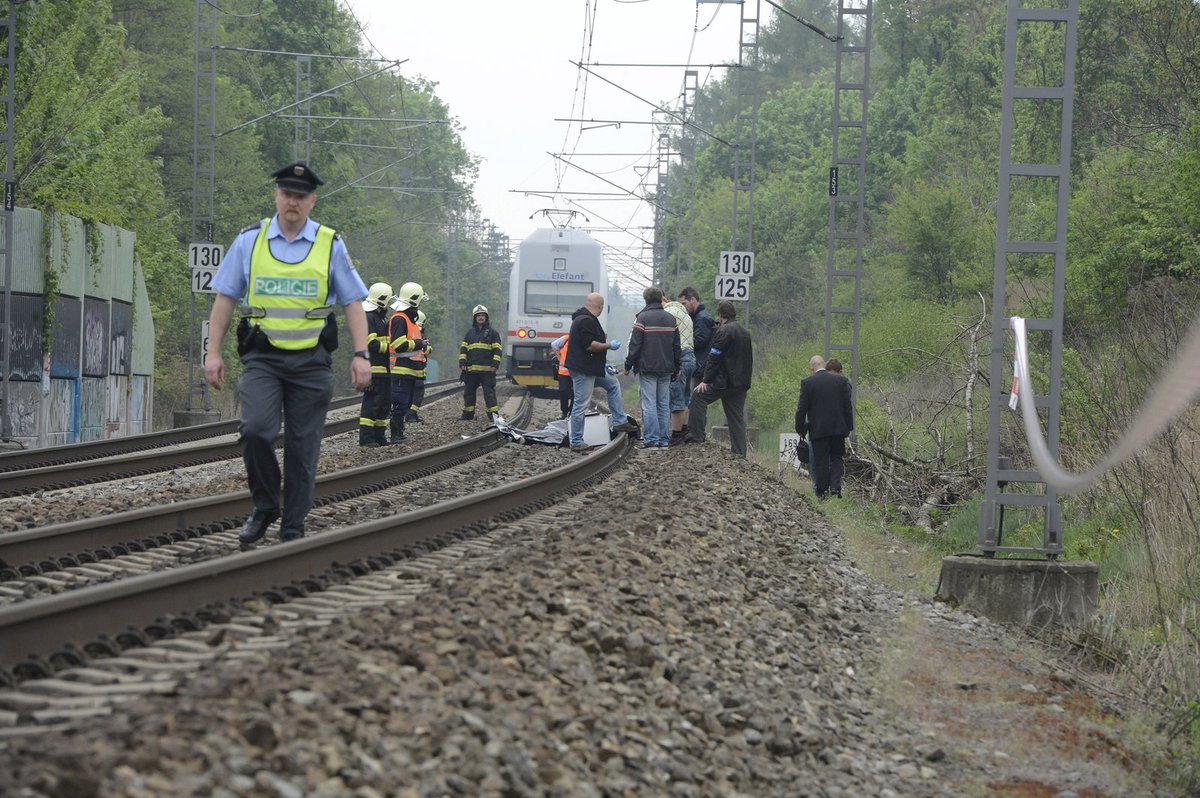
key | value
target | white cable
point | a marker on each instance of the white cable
(1172, 396)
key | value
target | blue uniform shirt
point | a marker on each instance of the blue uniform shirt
(233, 276)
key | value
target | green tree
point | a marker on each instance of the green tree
(936, 233)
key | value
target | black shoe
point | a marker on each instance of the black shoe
(371, 444)
(290, 534)
(628, 425)
(412, 418)
(256, 526)
(465, 417)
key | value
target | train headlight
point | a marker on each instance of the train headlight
(521, 333)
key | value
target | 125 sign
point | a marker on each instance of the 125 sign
(732, 288)
(204, 259)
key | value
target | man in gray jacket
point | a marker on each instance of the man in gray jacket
(654, 353)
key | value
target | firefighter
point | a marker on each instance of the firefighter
(566, 388)
(418, 397)
(478, 360)
(377, 399)
(407, 346)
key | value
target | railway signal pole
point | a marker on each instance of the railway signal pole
(6, 215)
(847, 181)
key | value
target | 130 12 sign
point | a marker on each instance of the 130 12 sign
(735, 264)
(204, 259)
(732, 288)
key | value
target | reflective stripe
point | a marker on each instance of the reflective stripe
(294, 313)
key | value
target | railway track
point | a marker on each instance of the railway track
(78, 627)
(59, 467)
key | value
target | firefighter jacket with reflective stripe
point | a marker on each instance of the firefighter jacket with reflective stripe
(289, 298)
(378, 343)
(562, 357)
(405, 338)
(480, 349)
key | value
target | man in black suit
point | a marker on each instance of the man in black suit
(826, 414)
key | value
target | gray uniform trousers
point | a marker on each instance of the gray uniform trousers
(734, 403)
(295, 387)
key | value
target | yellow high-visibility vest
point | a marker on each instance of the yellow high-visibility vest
(290, 298)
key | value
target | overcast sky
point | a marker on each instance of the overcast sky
(504, 69)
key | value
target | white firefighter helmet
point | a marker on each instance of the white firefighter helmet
(421, 318)
(378, 296)
(412, 294)
(480, 309)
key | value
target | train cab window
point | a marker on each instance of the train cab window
(560, 264)
(560, 297)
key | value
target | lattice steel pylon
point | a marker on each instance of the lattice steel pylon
(204, 170)
(662, 201)
(303, 144)
(1017, 238)
(687, 158)
(847, 181)
(6, 214)
(745, 130)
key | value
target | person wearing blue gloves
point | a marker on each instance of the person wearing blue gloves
(585, 361)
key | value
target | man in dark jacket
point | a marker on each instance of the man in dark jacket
(826, 413)
(656, 356)
(586, 356)
(727, 372)
(702, 330)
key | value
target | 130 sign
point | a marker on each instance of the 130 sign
(733, 264)
(204, 259)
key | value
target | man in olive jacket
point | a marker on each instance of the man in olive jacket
(727, 374)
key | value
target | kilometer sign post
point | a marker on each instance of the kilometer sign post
(204, 259)
(734, 270)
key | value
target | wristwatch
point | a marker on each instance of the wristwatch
(364, 354)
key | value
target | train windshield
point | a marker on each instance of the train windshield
(557, 297)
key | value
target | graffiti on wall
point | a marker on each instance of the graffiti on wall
(25, 353)
(64, 351)
(24, 402)
(120, 357)
(95, 337)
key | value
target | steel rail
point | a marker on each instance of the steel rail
(109, 447)
(50, 548)
(67, 624)
(99, 468)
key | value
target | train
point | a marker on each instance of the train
(555, 270)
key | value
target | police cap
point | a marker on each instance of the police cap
(297, 177)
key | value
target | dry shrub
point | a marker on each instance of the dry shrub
(1151, 603)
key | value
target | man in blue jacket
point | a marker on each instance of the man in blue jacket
(586, 356)
(703, 327)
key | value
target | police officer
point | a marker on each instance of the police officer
(289, 272)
